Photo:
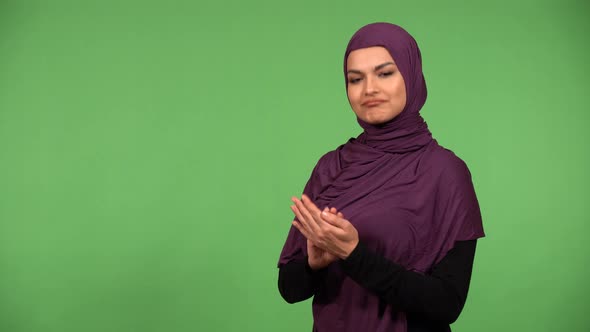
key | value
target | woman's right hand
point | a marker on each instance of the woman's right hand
(317, 257)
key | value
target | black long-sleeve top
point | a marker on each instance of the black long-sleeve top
(431, 301)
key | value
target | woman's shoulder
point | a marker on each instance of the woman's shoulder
(329, 160)
(333, 157)
(449, 165)
(329, 157)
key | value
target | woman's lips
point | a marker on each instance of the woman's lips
(372, 103)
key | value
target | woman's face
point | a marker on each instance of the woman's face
(376, 88)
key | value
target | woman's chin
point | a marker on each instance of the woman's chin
(376, 120)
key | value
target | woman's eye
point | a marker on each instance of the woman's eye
(353, 80)
(385, 74)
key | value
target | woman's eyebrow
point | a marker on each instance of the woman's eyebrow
(354, 71)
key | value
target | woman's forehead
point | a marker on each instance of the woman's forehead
(367, 58)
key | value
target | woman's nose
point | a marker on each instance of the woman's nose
(370, 86)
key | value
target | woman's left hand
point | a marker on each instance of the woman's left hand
(324, 229)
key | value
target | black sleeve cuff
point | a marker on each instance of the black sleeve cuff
(356, 257)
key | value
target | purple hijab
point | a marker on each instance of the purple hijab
(409, 198)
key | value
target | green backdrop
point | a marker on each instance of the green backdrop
(148, 151)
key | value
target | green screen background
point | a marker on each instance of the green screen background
(148, 151)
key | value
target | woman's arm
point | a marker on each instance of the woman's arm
(438, 296)
(297, 281)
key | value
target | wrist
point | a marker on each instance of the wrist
(311, 267)
(350, 250)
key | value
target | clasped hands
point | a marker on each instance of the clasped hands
(329, 235)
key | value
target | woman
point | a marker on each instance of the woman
(384, 235)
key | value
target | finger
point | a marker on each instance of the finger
(297, 213)
(301, 229)
(309, 204)
(336, 212)
(302, 210)
(303, 220)
(334, 220)
(313, 209)
(309, 221)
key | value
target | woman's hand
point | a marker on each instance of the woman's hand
(317, 257)
(326, 230)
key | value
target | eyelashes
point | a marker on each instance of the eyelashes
(382, 75)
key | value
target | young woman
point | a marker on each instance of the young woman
(384, 235)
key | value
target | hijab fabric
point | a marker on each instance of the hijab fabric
(409, 198)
